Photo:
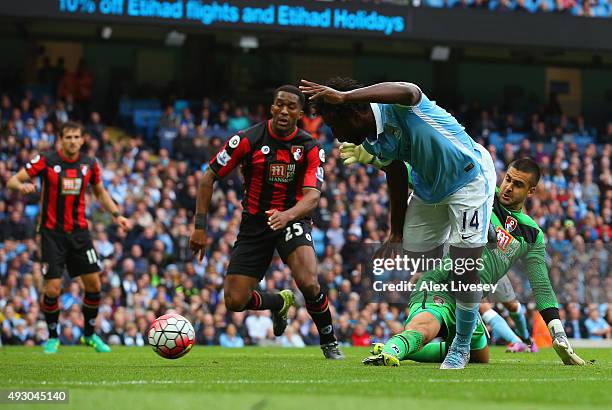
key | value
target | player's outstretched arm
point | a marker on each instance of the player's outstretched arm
(197, 240)
(20, 182)
(387, 93)
(546, 301)
(110, 206)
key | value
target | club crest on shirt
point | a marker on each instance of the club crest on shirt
(84, 169)
(438, 300)
(395, 131)
(511, 223)
(57, 169)
(297, 151)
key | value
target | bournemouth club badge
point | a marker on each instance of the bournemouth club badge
(84, 169)
(297, 151)
(511, 223)
(438, 300)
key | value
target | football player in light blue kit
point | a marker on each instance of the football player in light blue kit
(453, 177)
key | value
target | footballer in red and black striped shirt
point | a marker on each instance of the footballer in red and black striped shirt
(65, 241)
(282, 168)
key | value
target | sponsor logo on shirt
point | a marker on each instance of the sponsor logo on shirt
(281, 172)
(71, 186)
(504, 239)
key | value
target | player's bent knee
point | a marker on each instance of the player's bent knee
(236, 300)
(426, 324)
(92, 283)
(235, 304)
(310, 290)
(53, 289)
(52, 293)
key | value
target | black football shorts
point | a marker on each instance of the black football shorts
(74, 251)
(256, 242)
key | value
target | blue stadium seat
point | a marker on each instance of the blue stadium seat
(496, 140)
(31, 211)
(532, 5)
(435, 3)
(515, 138)
(583, 141)
(180, 105)
(146, 121)
(166, 138)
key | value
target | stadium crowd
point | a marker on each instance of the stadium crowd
(150, 269)
(584, 8)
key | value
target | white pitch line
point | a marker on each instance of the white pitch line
(315, 381)
(525, 380)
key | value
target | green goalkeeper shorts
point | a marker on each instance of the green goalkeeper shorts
(444, 312)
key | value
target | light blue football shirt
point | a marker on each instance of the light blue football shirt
(442, 155)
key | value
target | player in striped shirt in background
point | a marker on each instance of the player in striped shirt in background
(65, 240)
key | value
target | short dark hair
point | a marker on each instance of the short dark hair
(69, 125)
(291, 89)
(529, 166)
(336, 112)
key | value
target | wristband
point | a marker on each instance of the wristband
(116, 214)
(201, 221)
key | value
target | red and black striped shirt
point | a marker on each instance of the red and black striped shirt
(64, 182)
(275, 169)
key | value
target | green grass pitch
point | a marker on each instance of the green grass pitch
(276, 378)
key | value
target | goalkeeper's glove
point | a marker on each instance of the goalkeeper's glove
(561, 344)
(352, 154)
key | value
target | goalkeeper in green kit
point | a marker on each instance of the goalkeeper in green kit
(432, 313)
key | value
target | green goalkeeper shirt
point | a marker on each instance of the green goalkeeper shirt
(518, 238)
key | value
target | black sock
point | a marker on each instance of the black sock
(319, 311)
(265, 301)
(50, 308)
(91, 303)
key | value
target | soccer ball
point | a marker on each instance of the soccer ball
(171, 336)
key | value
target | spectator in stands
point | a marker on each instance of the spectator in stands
(360, 336)
(574, 324)
(259, 326)
(596, 326)
(230, 337)
(504, 5)
(238, 121)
